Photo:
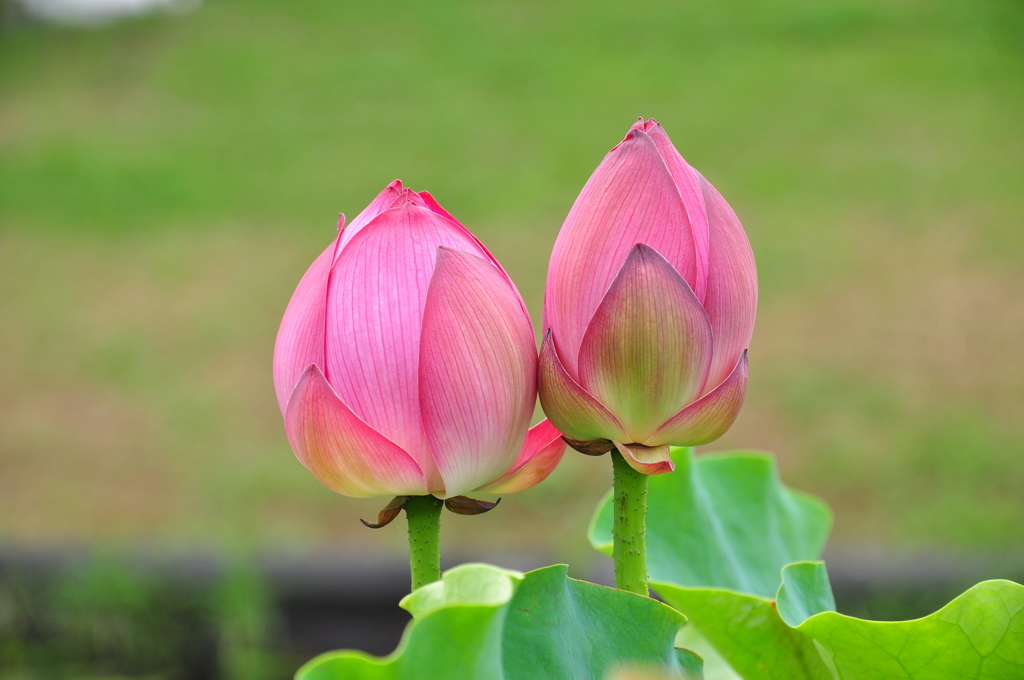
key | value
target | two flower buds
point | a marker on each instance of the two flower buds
(406, 363)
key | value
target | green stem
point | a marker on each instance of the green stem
(629, 527)
(424, 515)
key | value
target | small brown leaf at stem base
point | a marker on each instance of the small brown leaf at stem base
(594, 447)
(463, 505)
(389, 513)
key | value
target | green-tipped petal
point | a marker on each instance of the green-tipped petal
(569, 407)
(648, 460)
(647, 351)
(708, 418)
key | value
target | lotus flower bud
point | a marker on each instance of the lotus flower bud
(406, 362)
(649, 308)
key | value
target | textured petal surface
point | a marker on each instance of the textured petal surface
(346, 454)
(653, 460)
(731, 299)
(377, 292)
(688, 183)
(430, 202)
(647, 351)
(384, 200)
(709, 417)
(300, 339)
(631, 198)
(540, 455)
(478, 371)
(571, 408)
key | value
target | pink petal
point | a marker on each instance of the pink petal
(656, 460)
(478, 371)
(541, 453)
(343, 452)
(688, 183)
(647, 350)
(731, 300)
(375, 301)
(708, 418)
(631, 198)
(571, 408)
(384, 200)
(430, 202)
(300, 340)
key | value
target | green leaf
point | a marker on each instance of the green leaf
(724, 521)
(979, 635)
(794, 633)
(749, 633)
(482, 623)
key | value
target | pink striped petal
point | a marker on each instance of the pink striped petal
(631, 198)
(478, 371)
(708, 418)
(430, 202)
(731, 300)
(540, 455)
(647, 351)
(571, 408)
(300, 339)
(376, 296)
(688, 183)
(343, 452)
(384, 200)
(655, 460)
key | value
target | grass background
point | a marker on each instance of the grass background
(164, 182)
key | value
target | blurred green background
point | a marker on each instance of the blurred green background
(165, 181)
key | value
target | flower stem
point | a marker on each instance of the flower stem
(424, 515)
(629, 527)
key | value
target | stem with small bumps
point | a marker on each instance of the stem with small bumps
(629, 551)
(424, 515)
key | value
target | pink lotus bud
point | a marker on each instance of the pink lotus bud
(406, 362)
(649, 307)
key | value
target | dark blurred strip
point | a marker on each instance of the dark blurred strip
(314, 602)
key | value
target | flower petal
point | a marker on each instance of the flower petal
(631, 198)
(375, 300)
(647, 350)
(478, 370)
(431, 202)
(571, 408)
(731, 300)
(688, 183)
(649, 460)
(540, 455)
(343, 452)
(708, 418)
(300, 339)
(384, 200)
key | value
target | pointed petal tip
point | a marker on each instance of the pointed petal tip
(388, 514)
(648, 460)
(542, 452)
(343, 452)
(572, 409)
(711, 416)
